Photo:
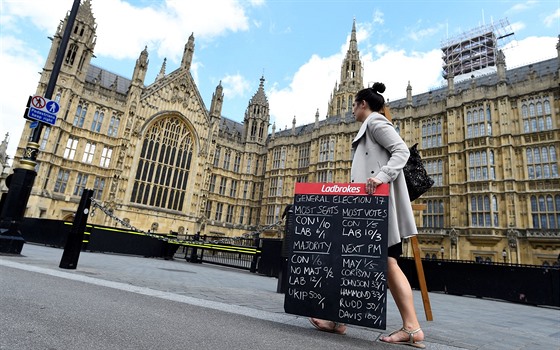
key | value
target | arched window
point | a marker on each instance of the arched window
(114, 126)
(164, 166)
(71, 54)
(253, 130)
(97, 121)
(80, 115)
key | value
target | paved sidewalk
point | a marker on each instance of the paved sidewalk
(459, 322)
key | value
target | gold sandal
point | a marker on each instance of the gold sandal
(410, 341)
(337, 328)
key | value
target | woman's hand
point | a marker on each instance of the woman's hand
(371, 185)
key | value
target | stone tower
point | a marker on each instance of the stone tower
(80, 48)
(351, 79)
(257, 117)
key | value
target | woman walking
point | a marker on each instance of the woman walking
(380, 154)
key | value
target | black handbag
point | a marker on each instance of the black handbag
(417, 179)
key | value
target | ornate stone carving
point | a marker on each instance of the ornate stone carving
(453, 236)
(512, 237)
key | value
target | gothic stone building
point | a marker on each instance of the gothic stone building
(157, 158)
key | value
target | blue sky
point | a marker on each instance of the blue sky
(298, 45)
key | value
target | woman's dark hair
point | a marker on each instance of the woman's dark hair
(372, 95)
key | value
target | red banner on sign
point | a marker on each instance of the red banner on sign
(351, 189)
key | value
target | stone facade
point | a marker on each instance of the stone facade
(157, 158)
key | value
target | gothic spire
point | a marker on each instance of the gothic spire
(141, 67)
(351, 79)
(188, 53)
(257, 116)
(259, 97)
(353, 40)
(217, 101)
(162, 70)
(85, 13)
(143, 59)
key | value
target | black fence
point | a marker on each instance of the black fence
(238, 252)
(54, 233)
(526, 284)
(243, 253)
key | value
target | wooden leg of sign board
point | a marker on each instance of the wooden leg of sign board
(420, 271)
(421, 278)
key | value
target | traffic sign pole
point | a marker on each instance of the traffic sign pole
(20, 183)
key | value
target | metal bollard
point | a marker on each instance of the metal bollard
(256, 257)
(194, 252)
(286, 249)
(73, 244)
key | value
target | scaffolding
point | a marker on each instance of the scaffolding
(474, 50)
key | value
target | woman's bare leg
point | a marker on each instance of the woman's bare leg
(402, 293)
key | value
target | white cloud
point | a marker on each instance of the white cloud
(520, 7)
(115, 40)
(171, 23)
(309, 90)
(530, 50)
(419, 34)
(378, 17)
(517, 26)
(396, 68)
(362, 34)
(552, 19)
(235, 86)
(19, 70)
(380, 49)
(312, 85)
(45, 15)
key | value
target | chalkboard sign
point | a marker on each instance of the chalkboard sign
(337, 263)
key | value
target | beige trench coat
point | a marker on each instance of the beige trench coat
(380, 152)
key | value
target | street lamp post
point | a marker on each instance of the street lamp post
(442, 251)
(21, 181)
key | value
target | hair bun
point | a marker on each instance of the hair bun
(378, 87)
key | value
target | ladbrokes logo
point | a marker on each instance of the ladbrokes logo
(342, 189)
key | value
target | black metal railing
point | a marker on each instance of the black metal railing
(239, 256)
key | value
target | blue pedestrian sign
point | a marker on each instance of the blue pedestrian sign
(53, 107)
(43, 110)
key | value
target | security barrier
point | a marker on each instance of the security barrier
(205, 250)
(526, 284)
(97, 238)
